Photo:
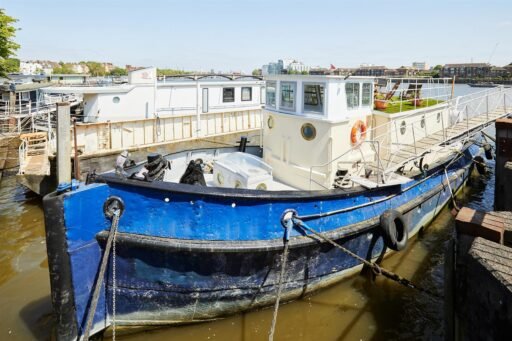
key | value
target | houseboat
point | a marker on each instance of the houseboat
(201, 234)
(143, 114)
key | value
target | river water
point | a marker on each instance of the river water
(356, 309)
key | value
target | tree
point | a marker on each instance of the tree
(118, 71)
(256, 72)
(96, 69)
(170, 72)
(438, 67)
(8, 46)
(12, 65)
(63, 68)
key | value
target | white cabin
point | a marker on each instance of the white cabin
(308, 121)
(144, 96)
(314, 127)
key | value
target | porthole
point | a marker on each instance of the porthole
(220, 178)
(308, 131)
(270, 122)
(438, 117)
(403, 127)
(261, 187)
(116, 99)
(422, 123)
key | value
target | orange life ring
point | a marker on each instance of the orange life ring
(358, 133)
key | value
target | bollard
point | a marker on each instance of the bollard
(63, 144)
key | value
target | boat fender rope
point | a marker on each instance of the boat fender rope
(297, 222)
(113, 211)
(454, 202)
(287, 222)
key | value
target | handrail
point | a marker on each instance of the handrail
(465, 107)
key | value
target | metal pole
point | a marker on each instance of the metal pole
(453, 86)
(198, 114)
(63, 145)
(76, 161)
(487, 107)
(414, 139)
(467, 120)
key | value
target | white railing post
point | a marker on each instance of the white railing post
(487, 107)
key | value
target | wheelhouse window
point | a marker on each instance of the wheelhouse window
(228, 95)
(288, 90)
(352, 93)
(314, 98)
(246, 94)
(367, 94)
(271, 94)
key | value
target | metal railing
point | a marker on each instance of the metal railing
(459, 119)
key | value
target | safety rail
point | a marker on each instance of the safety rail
(460, 119)
(424, 89)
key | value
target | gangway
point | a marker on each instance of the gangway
(467, 117)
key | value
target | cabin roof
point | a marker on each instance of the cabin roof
(342, 78)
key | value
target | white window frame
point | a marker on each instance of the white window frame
(276, 92)
(287, 109)
(304, 84)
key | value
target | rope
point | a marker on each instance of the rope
(101, 275)
(451, 192)
(114, 286)
(375, 268)
(289, 225)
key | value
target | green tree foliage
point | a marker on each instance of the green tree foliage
(96, 69)
(256, 72)
(171, 72)
(63, 68)
(12, 65)
(8, 46)
(118, 71)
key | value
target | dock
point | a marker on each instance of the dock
(478, 263)
(479, 281)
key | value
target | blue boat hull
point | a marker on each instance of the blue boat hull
(187, 254)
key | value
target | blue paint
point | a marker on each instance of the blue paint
(161, 281)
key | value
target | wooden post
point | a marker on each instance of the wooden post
(75, 158)
(63, 144)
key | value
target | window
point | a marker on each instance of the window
(246, 94)
(25, 96)
(288, 96)
(116, 99)
(271, 94)
(314, 98)
(308, 131)
(205, 100)
(352, 92)
(367, 94)
(228, 95)
(403, 128)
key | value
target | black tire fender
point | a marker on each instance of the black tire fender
(394, 230)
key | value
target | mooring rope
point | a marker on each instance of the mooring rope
(286, 238)
(101, 275)
(378, 270)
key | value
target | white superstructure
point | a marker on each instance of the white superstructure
(144, 96)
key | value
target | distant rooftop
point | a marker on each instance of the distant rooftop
(468, 65)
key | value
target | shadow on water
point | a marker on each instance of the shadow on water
(38, 318)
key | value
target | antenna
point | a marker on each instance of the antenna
(492, 53)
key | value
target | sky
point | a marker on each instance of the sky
(242, 35)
